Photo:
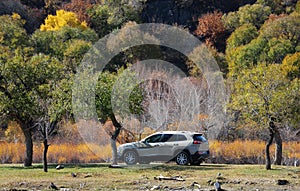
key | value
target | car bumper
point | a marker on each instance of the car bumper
(200, 156)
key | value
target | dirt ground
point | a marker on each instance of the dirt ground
(150, 177)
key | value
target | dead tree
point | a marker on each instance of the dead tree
(46, 128)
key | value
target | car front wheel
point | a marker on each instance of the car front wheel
(130, 157)
(182, 158)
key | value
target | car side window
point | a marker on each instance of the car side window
(181, 138)
(173, 138)
(166, 138)
(154, 139)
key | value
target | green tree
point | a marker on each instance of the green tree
(276, 50)
(277, 38)
(245, 56)
(111, 15)
(266, 95)
(241, 36)
(255, 14)
(285, 27)
(293, 60)
(55, 43)
(25, 80)
(105, 95)
(75, 52)
(12, 33)
(278, 6)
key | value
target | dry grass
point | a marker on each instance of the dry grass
(141, 177)
(251, 151)
(90, 153)
(63, 153)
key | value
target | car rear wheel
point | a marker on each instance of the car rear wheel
(182, 158)
(130, 157)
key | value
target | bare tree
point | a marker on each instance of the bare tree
(45, 125)
(46, 128)
(172, 101)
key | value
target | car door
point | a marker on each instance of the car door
(151, 146)
(165, 146)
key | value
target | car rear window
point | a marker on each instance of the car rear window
(199, 137)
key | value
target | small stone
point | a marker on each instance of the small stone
(282, 182)
(73, 174)
(217, 186)
(155, 188)
(53, 186)
(60, 167)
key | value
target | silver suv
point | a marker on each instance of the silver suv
(182, 146)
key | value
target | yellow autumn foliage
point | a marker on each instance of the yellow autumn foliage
(61, 19)
(16, 16)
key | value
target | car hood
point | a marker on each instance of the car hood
(133, 145)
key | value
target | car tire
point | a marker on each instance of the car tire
(182, 158)
(130, 157)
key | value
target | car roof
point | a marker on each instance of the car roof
(178, 132)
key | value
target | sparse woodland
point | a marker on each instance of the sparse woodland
(256, 45)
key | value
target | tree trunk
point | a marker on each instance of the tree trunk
(114, 136)
(45, 163)
(29, 146)
(278, 147)
(114, 151)
(269, 143)
(268, 158)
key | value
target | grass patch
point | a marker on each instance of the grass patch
(141, 177)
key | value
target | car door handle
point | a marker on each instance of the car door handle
(175, 144)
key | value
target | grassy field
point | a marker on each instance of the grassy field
(99, 177)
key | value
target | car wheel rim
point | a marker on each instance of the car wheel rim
(130, 158)
(182, 159)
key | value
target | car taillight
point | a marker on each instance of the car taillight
(197, 142)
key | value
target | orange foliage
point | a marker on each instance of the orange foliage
(79, 7)
(211, 28)
(251, 149)
(238, 149)
(63, 153)
(11, 152)
(91, 153)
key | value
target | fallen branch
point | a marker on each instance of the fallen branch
(176, 178)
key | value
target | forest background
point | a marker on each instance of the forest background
(255, 43)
